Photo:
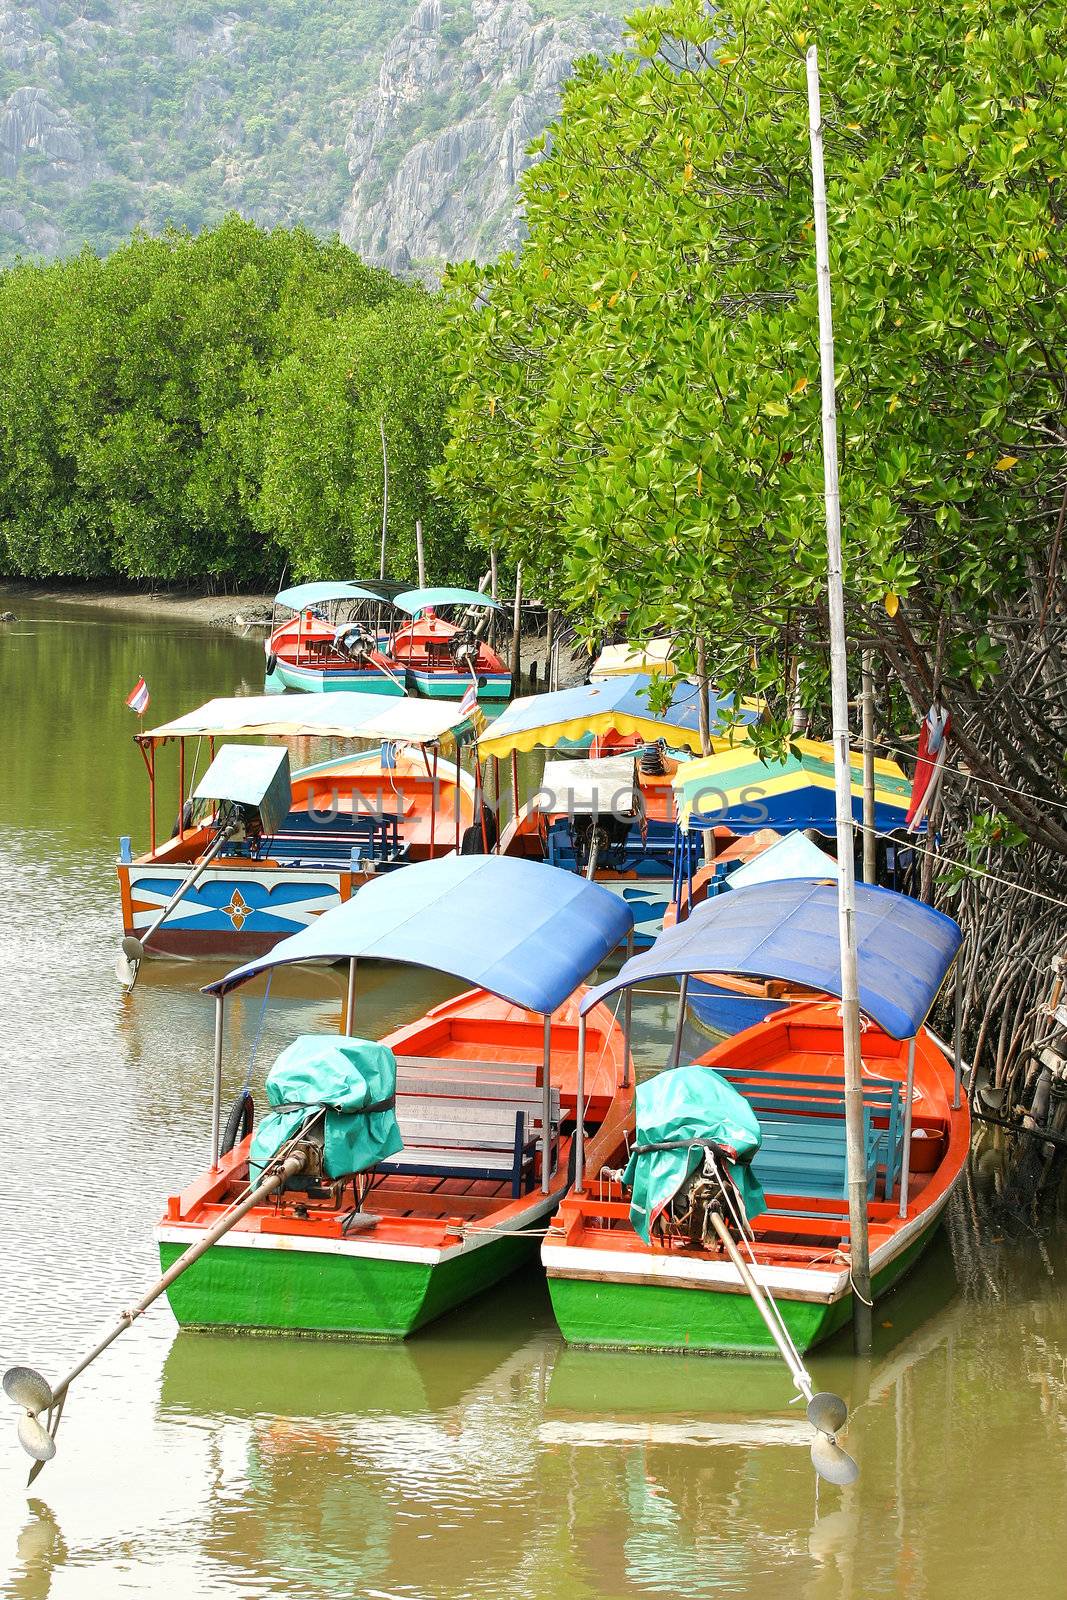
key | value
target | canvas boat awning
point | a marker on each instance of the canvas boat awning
(317, 594)
(622, 660)
(789, 931)
(618, 705)
(605, 787)
(415, 600)
(335, 716)
(795, 856)
(735, 789)
(526, 932)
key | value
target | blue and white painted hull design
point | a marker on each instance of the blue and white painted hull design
(648, 899)
(231, 912)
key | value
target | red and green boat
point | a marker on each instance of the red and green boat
(471, 1114)
(676, 1288)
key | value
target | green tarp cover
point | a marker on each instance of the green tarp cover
(347, 1075)
(689, 1103)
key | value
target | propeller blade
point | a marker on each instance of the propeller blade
(126, 970)
(28, 1389)
(827, 1412)
(831, 1462)
(35, 1439)
(132, 948)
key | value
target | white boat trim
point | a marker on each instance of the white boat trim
(811, 1283)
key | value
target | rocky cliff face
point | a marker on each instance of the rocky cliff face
(406, 130)
(436, 148)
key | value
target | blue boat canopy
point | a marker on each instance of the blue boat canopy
(316, 594)
(415, 600)
(526, 932)
(614, 704)
(789, 931)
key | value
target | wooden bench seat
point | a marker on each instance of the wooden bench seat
(472, 1129)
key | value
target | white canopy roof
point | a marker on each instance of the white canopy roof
(605, 786)
(338, 716)
(794, 856)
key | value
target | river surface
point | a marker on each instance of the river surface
(483, 1459)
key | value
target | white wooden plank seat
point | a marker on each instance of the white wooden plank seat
(457, 1128)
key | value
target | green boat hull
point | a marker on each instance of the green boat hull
(645, 1316)
(295, 1291)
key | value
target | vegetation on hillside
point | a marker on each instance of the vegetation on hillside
(211, 408)
(196, 109)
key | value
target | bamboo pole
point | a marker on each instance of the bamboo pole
(516, 631)
(385, 499)
(870, 843)
(859, 1249)
(420, 554)
(702, 707)
(550, 646)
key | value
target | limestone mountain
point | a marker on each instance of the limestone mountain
(404, 129)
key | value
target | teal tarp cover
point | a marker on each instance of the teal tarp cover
(347, 1075)
(689, 1103)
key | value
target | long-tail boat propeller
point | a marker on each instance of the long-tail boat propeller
(826, 1412)
(832, 1462)
(35, 1395)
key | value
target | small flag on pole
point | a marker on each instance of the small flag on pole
(469, 704)
(138, 697)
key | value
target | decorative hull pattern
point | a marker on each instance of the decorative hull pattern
(232, 911)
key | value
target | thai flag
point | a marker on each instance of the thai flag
(469, 704)
(138, 697)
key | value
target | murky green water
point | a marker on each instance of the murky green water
(484, 1459)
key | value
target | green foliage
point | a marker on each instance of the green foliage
(191, 408)
(636, 399)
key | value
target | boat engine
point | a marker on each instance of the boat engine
(702, 1196)
(593, 838)
(463, 648)
(354, 643)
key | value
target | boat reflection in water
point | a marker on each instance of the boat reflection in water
(458, 1464)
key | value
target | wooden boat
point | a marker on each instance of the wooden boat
(610, 1287)
(381, 639)
(619, 804)
(339, 822)
(444, 658)
(485, 1096)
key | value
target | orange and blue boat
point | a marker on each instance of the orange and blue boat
(379, 638)
(624, 1272)
(452, 1139)
(259, 852)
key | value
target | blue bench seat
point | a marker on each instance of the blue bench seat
(771, 1094)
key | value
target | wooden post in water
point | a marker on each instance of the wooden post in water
(516, 632)
(550, 645)
(870, 843)
(420, 554)
(859, 1248)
